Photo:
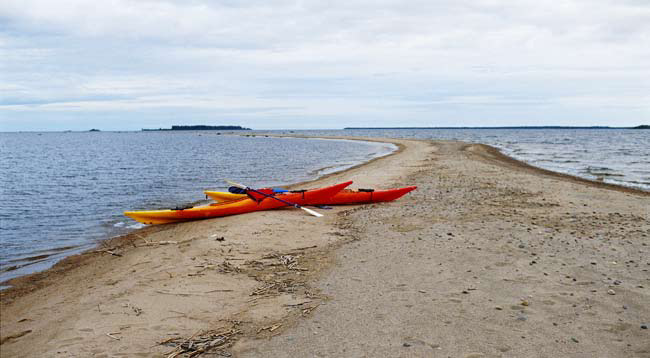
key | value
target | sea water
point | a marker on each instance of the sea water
(61, 192)
(616, 156)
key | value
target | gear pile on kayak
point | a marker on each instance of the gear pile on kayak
(242, 199)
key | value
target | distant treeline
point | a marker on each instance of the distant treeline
(200, 128)
(523, 127)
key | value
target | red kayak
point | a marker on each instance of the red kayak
(346, 196)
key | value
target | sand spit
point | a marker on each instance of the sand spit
(487, 258)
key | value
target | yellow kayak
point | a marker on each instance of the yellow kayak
(238, 206)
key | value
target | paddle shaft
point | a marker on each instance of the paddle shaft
(312, 212)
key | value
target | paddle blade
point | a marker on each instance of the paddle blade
(235, 184)
(312, 212)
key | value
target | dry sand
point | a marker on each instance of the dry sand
(487, 258)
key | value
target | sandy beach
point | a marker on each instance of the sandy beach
(488, 258)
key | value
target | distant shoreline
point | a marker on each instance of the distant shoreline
(513, 127)
(199, 128)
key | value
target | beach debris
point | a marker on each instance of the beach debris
(474, 355)
(270, 328)
(110, 251)
(219, 290)
(217, 238)
(182, 294)
(202, 342)
(163, 242)
(227, 267)
(574, 339)
(111, 335)
(15, 336)
(288, 260)
(308, 310)
(644, 326)
(611, 292)
(276, 287)
(525, 303)
(136, 310)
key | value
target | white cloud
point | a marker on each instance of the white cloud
(336, 59)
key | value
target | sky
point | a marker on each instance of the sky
(279, 64)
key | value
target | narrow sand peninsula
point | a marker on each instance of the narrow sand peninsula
(487, 258)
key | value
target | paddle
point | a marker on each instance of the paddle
(311, 212)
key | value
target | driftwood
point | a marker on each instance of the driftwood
(15, 336)
(200, 343)
(112, 336)
(270, 328)
(110, 251)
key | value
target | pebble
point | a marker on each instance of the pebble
(611, 292)
(525, 303)
(406, 344)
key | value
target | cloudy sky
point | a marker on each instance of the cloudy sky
(120, 65)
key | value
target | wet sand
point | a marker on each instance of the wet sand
(488, 258)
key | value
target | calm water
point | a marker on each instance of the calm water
(61, 192)
(618, 156)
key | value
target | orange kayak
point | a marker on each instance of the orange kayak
(346, 196)
(364, 196)
(233, 207)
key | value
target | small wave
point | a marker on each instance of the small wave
(128, 225)
(598, 170)
(41, 255)
(136, 226)
(640, 182)
(606, 174)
